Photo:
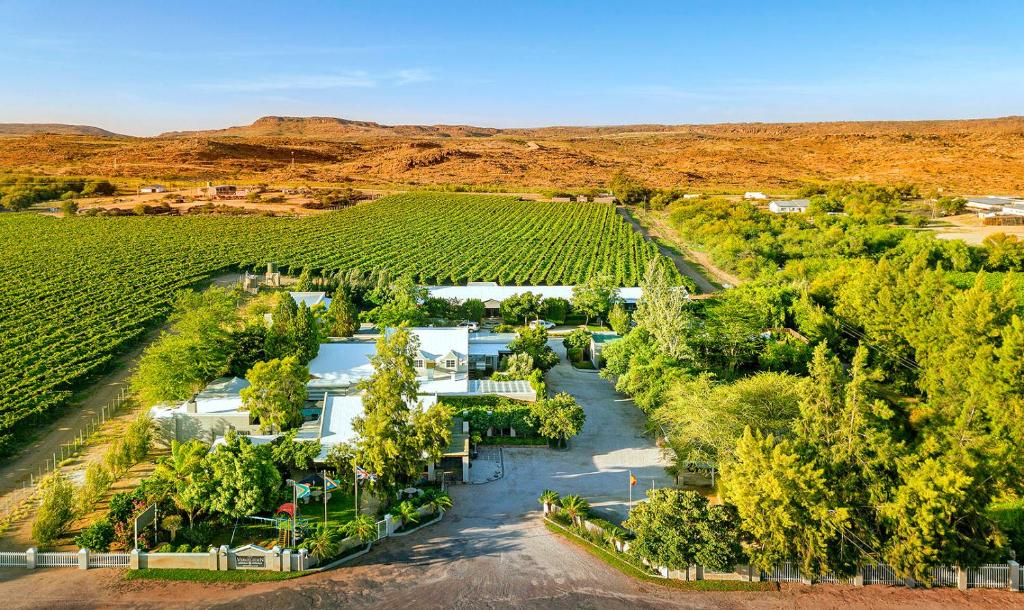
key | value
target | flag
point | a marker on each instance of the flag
(329, 483)
(632, 480)
(302, 490)
(361, 473)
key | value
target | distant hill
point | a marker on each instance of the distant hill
(974, 156)
(331, 128)
(61, 129)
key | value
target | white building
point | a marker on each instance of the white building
(988, 203)
(1014, 209)
(492, 294)
(311, 299)
(793, 206)
(754, 195)
(153, 188)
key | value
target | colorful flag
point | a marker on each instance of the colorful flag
(329, 483)
(361, 473)
(632, 480)
(302, 490)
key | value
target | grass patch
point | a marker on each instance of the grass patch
(631, 570)
(584, 364)
(514, 441)
(195, 575)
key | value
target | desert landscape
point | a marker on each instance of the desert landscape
(960, 156)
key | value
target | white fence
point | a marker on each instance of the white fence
(57, 560)
(989, 577)
(13, 560)
(109, 560)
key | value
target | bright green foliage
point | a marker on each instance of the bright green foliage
(183, 473)
(291, 454)
(98, 480)
(138, 437)
(398, 303)
(281, 340)
(595, 296)
(575, 507)
(521, 308)
(172, 523)
(578, 339)
(640, 369)
(534, 342)
(407, 512)
(558, 418)
(705, 420)
(395, 432)
(342, 318)
(56, 510)
(119, 275)
(518, 366)
(362, 527)
(663, 312)
(196, 350)
(549, 496)
(97, 537)
(276, 393)
(618, 319)
(323, 542)
(473, 310)
(239, 478)
(306, 331)
(554, 309)
(676, 529)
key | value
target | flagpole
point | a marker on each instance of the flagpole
(356, 477)
(295, 510)
(630, 483)
(324, 476)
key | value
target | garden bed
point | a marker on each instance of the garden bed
(181, 574)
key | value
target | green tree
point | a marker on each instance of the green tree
(290, 454)
(473, 310)
(629, 190)
(362, 527)
(575, 507)
(281, 340)
(56, 510)
(618, 319)
(195, 350)
(558, 418)
(322, 543)
(342, 319)
(305, 281)
(184, 473)
(534, 342)
(678, 528)
(398, 303)
(521, 308)
(555, 309)
(395, 433)
(241, 479)
(249, 348)
(69, 208)
(172, 523)
(98, 480)
(277, 393)
(663, 311)
(595, 297)
(306, 331)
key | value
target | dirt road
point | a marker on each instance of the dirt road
(685, 267)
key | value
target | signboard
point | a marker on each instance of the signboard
(144, 520)
(250, 561)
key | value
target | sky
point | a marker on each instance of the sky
(145, 67)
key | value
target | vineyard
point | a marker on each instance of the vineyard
(77, 291)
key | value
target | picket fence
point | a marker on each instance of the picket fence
(1008, 575)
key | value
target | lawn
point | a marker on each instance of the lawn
(340, 509)
(181, 574)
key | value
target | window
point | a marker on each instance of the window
(449, 364)
(418, 363)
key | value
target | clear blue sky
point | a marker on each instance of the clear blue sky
(144, 67)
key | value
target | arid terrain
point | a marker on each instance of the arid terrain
(962, 156)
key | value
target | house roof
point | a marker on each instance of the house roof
(489, 344)
(339, 411)
(437, 342)
(487, 291)
(341, 364)
(311, 298)
(792, 203)
(994, 201)
(223, 395)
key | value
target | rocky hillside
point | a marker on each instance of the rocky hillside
(21, 129)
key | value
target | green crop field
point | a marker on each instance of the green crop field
(76, 291)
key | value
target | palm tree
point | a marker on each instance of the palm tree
(614, 536)
(576, 508)
(547, 499)
(322, 543)
(363, 528)
(407, 513)
(442, 502)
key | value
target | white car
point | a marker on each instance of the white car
(543, 324)
(472, 326)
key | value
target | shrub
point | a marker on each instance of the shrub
(137, 438)
(199, 534)
(183, 548)
(97, 482)
(56, 510)
(118, 458)
(577, 339)
(96, 537)
(172, 523)
(166, 547)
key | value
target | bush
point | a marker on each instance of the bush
(56, 510)
(200, 534)
(166, 547)
(97, 482)
(96, 537)
(138, 437)
(183, 548)
(577, 339)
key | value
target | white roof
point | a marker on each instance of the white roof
(337, 419)
(437, 342)
(341, 364)
(311, 298)
(792, 203)
(488, 291)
